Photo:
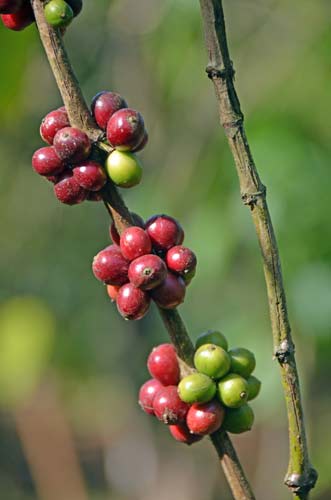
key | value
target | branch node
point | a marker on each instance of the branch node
(251, 199)
(284, 352)
(301, 484)
(222, 72)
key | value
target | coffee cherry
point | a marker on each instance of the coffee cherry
(53, 178)
(112, 291)
(170, 293)
(45, 161)
(90, 175)
(147, 272)
(124, 169)
(242, 361)
(94, 196)
(164, 231)
(104, 105)
(125, 129)
(233, 390)
(212, 337)
(138, 221)
(10, 6)
(142, 144)
(181, 260)
(168, 407)
(147, 394)
(205, 418)
(110, 266)
(20, 19)
(76, 6)
(72, 144)
(52, 123)
(132, 303)
(212, 360)
(58, 13)
(238, 420)
(135, 242)
(196, 388)
(182, 433)
(68, 191)
(162, 364)
(254, 387)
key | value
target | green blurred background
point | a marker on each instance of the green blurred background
(70, 367)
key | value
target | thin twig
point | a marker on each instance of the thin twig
(80, 117)
(301, 476)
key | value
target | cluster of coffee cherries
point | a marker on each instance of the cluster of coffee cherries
(213, 396)
(148, 261)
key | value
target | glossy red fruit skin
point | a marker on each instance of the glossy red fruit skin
(112, 291)
(147, 394)
(104, 105)
(168, 407)
(90, 175)
(204, 419)
(20, 19)
(135, 242)
(68, 191)
(182, 433)
(52, 123)
(147, 272)
(162, 364)
(10, 6)
(170, 293)
(45, 161)
(72, 144)
(181, 259)
(138, 221)
(110, 266)
(125, 129)
(164, 231)
(53, 178)
(132, 303)
(142, 143)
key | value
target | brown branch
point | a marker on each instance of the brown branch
(80, 117)
(301, 477)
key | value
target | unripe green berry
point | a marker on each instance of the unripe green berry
(233, 390)
(238, 420)
(254, 387)
(124, 169)
(242, 361)
(212, 337)
(58, 13)
(196, 388)
(212, 360)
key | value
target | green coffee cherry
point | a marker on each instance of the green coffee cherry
(212, 360)
(58, 13)
(196, 388)
(124, 168)
(242, 361)
(233, 390)
(238, 420)
(254, 386)
(212, 337)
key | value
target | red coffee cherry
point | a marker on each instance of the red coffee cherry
(68, 191)
(170, 293)
(147, 394)
(164, 231)
(182, 433)
(142, 144)
(204, 419)
(162, 364)
(53, 178)
(125, 129)
(181, 260)
(72, 144)
(110, 266)
(10, 6)
(104, 105)
(132, 303)
(52, 123)
(138, 221)
(168, 407)
(20, 19)
(90, 175)
(112, 291)
(135, 242)
(147, 272)
(45, 161)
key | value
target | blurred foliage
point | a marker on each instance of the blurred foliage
(153, 53)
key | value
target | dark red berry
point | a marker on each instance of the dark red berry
(147, 394)
(135, 242)
(76, 6)
(68, 191)
(168, 407)
(112, 291)
(206, 418)
(142, 144)
(181, 259)
(147, 272)
(53, 178)
(72, 144)
(162, 364)
(125, 129)
(170, 293)
(52, 123)
(132, 303)
(164, 231)
(182, 433)
(94, 196)
(45, 161)
(90, 175)
(110, 266)
(104, 105)
(10, 6)
(20, 19)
